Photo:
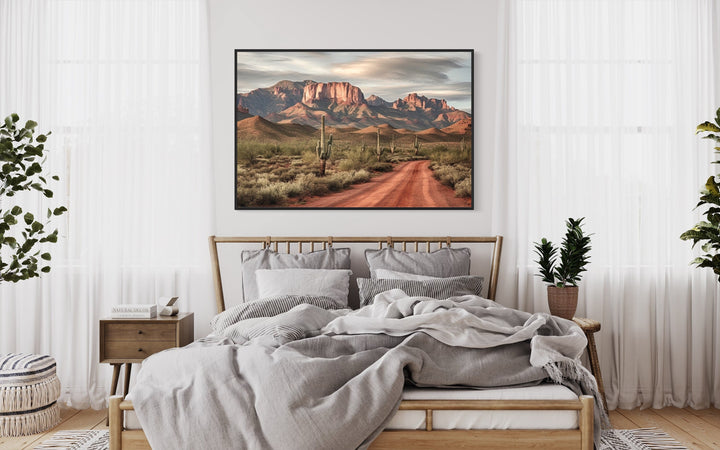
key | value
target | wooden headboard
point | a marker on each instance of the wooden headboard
(301, 244)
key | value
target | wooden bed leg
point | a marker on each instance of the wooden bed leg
(586, 422)
(116, 422)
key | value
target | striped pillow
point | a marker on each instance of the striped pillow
(300, 322)
(439, 289)
(268, 307)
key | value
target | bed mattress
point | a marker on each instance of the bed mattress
(475, 420)
(488, 420)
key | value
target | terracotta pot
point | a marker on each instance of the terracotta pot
(562, 301)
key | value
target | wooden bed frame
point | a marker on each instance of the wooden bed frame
(580, 438)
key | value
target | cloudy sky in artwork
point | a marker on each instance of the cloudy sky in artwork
(389, 75)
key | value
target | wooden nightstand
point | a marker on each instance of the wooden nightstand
(128, 341)
(590, 327)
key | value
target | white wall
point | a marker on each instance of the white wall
(370, 24)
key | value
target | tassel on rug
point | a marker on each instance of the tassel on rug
(77, 440)
(639, 439)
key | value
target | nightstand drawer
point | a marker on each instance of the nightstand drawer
(141, 332)
(138, 350)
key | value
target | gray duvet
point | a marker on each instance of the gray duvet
(337, 388)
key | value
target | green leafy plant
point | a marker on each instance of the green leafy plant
(21, 157)
(573, 256)
(707, 231)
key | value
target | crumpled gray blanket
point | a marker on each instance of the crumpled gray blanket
(338, 388)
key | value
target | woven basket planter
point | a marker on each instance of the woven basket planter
(562, 301)
(29, 389)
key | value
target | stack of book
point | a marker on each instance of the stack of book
(147, 311)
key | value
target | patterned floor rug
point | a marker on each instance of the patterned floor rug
(639, 439)
(78, 440)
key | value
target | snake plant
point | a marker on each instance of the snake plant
(574, 256)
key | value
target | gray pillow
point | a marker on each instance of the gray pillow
(332, 258)
(438, 289)
(444, 262)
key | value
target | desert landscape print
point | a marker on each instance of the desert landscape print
(353, 129)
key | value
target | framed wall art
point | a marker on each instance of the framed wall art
(354, 129)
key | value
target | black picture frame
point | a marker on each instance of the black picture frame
(426, 136)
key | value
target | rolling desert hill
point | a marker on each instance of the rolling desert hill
(345, 105)
(255, 127)
(463, 126)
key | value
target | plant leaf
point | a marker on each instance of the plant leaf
(707, 126)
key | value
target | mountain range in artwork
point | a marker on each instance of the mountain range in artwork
(331, 144)
(345, 105)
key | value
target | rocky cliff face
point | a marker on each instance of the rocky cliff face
(334, 92)
(264, 101)
(374, 100)
(414, 102)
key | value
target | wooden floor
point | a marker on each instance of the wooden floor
(696, 429)
(71, 419)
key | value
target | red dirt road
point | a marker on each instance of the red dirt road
(410, 185)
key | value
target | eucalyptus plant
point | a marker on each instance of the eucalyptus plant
(574, 251)
(22, 154)
(707, 231)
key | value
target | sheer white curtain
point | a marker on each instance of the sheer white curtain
(123, 85)
(597, 109)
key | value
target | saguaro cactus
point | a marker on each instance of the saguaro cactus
(392, 146)
(323, 149)
(378, 150)
(416, 145)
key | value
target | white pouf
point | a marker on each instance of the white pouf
(29, 389)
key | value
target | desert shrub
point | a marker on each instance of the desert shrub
(380, 167)
(292, 189)
(464, 188)
(347, 165)
(260, 196)
(246, 153)
(309, 157)
(399, 157)
(450, 175)
(311, 185)
(361, 176)
(333, 183)
(354, 159)
(263, 179)
(444, 155)
(344, 178)
(284, 174)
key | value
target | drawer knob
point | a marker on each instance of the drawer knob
(139, 331)
(140, 349)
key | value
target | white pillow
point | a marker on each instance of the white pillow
(333, 283)
(394, 275)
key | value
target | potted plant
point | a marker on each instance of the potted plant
(22, 155)
(708, 231)
(564, 277)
